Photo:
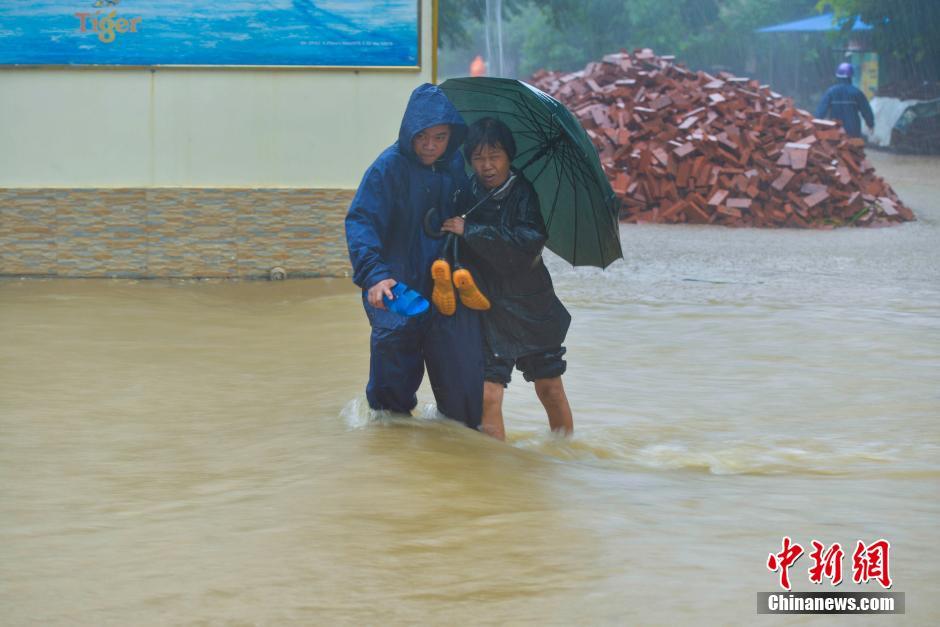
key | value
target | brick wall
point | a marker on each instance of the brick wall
(162, 233)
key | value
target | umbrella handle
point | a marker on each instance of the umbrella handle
(428, 224)
(548, 147)
(480, 203)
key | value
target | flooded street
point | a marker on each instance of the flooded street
(200, 452)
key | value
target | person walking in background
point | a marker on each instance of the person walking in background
(844, 101)
(388, 244)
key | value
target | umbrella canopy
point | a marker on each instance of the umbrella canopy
(579, 207)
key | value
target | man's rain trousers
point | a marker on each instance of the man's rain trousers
(386, 239)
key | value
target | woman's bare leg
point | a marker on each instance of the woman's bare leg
(492, 422)
(552, 394)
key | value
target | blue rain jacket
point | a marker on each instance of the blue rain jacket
(844, 101)
(385, 224)
(386, 239)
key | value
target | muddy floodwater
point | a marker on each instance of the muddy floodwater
(200, 452)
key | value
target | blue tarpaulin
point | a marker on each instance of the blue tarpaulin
(815, 24)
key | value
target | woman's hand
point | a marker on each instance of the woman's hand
(453, 225)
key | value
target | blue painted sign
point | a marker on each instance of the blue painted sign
(321, 33)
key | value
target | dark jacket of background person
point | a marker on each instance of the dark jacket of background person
(506, 237)
(386, 239)
(846, 102)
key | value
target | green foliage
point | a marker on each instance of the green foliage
(566, 34)
(907, 30)
(456, 18)
(603, 26)
(542, 47)
(705, 34)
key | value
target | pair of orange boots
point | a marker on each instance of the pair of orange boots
(444, 283)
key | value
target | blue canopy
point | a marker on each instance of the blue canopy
(816, 24)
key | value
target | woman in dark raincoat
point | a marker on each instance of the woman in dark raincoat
(388, 244)
(526, 324)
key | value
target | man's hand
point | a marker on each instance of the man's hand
(453, 225)
(382, 288)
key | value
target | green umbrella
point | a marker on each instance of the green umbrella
(579, 208)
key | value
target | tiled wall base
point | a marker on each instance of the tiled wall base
(156, 233)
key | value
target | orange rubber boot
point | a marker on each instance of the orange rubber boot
(443, 294)
(470, 294)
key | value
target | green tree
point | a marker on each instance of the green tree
(456, 18)
(705, 34)
(602, 26)
(908, 31)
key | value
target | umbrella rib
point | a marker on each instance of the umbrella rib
(594, 184)
(536, 129)
(513, 91)
(528, 151)
(578, 172)
(539, 119)
(605, 206)
(532, 119)
(511, 114)
(551, 216)
(560, 175)
(563, 173)
(514, 101)
(588, 180)
(577, 213)
(600, 245)
(577, 216)
(548, 159)
(554, 208)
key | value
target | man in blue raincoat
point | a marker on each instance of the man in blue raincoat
(388, 243)
(844, 101)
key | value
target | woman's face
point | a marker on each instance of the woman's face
(491, 164)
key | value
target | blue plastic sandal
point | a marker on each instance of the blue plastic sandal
(407, 302)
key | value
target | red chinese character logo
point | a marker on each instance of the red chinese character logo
(828, 564)
(783, 560)
(871, 563)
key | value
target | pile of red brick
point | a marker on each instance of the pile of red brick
(683, 146)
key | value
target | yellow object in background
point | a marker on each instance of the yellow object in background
(867, 76)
